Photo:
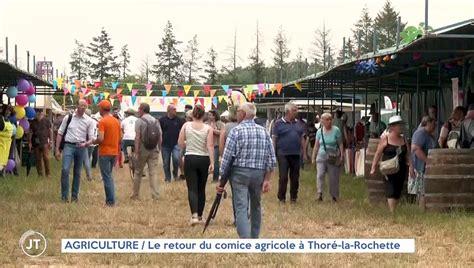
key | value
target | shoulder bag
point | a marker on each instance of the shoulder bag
(333, 155)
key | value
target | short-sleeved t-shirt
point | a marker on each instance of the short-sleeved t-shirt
(423, 139)
(128, 127)
(288, 136)
(41, 130)
(331, 139)
(110, 126)
(171, 128)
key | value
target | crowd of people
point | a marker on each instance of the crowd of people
(201, 144)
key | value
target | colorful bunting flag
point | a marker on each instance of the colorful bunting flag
(96, 99)
(207, 89)
(55, 84)
(213, 92)
(77, 83)
(134, 100)
(106, 95)
(215, 102)
(84, 90)
(119, 97)
(81, 95)
(175, 101)
(112, 101)
(168, 88)
(225, 88)
(186, 89)
(221, 98)
(119, 90)
(130, 86)
(201, 100)
(261, 88)
(299, 86)
(60, 82)
(148, 86)
(164, 93)
(148, 92)
(73, 89)
(66, 91)
(278, 88)
(229, 92)
(97, 84)
(93, 92)
(134, 91)
(162, 101)
(115, 85)
(196, 93)
(180, 93)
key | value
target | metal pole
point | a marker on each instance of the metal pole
(417, 104)
(398, 93)
(340, 82)
(34, 64)
(366, 131)
(354, 140)
(6, 48)
(316, 83)
(426, 16)
(343, 49)
(399, 22)
(331, 84)
(322, 95)
(16, 56)
(374, 41)
(28, 61)
(380, 104)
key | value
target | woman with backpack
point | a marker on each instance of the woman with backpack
(450, 132)
(198, 138)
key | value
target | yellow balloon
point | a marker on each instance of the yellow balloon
(19, 132)
(19, 112)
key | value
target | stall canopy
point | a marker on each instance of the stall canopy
(9, 75)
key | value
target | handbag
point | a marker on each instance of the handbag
(415, 185)
(333, 156)
(392, 165)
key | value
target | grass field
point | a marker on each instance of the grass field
(442, 239)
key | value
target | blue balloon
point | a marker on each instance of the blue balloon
(32, 98)
(14, 130)
(30, 112)
(12, 92)
(12, 119)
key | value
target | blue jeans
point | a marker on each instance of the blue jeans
(88, 161)
(166, 153)
(72, 153)
(106, 163)
(247, 182)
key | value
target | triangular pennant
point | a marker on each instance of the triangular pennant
(89, 101)
(119, 97)
(213, 92)
(180, 93)
(96, 99)
(148, 86)
(225, 88)
(248, 88)
(201, 100)
(55, 84)
(207, 89)
(93, 92)
(221, 98)
(77, 83)
(261, 88)
(115, 85)
(66, 91)
(60, 82)
(175, 101)
(81, 95)
(186, 89)
(73, 89)
(134, 99)
(164, 93)
(112, 101)
(130, 86)
(84, 82)
(168, 88)
(207, 101)
(162, 101)
(264, 93)
(106, 95)
(97, 84)
(196, 93)
(248, 95)
(215, 102)
(229, 92)
(189, 101)
(299, 86)
(112, 96)
(148, 92)
(119, 90)
(134, 91)
(84, 90)
(278, 88)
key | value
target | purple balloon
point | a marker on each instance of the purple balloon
(22, 99)
(10, 165)
(25, 124)
(23, 85)
(30, 91)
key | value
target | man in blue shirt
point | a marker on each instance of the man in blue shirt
(249, 153)
(171, 126)
(289, 142)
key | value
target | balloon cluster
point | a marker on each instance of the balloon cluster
(24, 93)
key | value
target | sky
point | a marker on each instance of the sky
(48, 28)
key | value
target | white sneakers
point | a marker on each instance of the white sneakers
(195, 220)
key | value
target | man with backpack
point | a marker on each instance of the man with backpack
(147, 149)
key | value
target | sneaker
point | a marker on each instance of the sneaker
(293, 201)
(65, 200)
(320, 198)
(282, 202)
(181, 177)
(134, 197)
(334, 199)
(194, 221)
(74, 200)
(109, 205)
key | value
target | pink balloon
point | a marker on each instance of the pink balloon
(25, 124)
(10, 165)
(30, 91)
(23, 85)
(21, 99)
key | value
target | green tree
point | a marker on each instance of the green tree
(281, 52)
(363, 33)
(210, 68)
(79, 61)
(386, 25)
(101, 53)
(169, 57)
(191, 59)
(257, 64)
(124, 61)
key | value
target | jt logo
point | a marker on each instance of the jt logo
(33, 243)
